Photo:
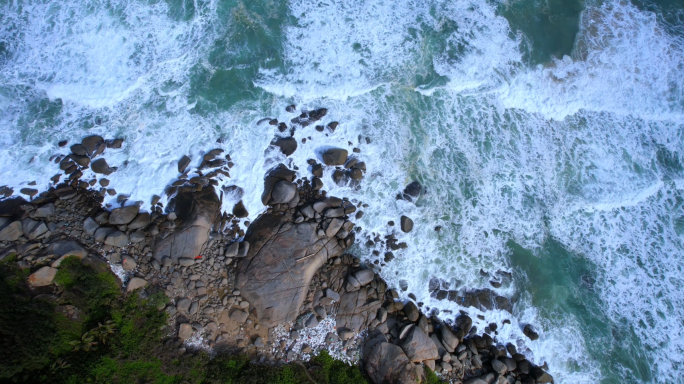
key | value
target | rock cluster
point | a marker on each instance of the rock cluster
(234, 289)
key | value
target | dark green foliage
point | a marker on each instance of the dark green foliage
(119, 339)
(26, 328)
(335, 371)
(431, 377)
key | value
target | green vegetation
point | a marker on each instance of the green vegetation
(88, 332)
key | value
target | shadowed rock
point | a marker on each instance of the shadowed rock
(196, 211)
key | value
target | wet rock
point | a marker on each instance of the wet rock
(462, 326)
(124, 215)
(414, 189)
(530, 332)
(287, 145)
(68, 248)
(317, 170)
(283, 192)
(239, 210)
(334, 226)
(334, 156)
(91, 144)
(101, 166)
(406, 224)
(79, 150)
(311, 322)
(29, 191)
(83, 161)
(42, 277)
(183, 164)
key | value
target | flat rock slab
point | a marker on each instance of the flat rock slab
(274, 277)
(42, 277)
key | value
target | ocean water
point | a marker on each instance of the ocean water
(549, 135)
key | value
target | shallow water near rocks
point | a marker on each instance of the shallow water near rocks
(548, 136)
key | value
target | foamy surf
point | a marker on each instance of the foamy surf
(585, 150)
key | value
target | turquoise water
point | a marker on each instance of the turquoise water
(549, 136)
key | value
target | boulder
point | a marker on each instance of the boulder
(232, 249)
(449, 340)
(413, 189)
(282, 258)
(418, 346)
(499, 367)
(387, 363)
(91, 143)
(283, 192)
(12, 232)
(196, 211)
(101, 166)
(334, 156)
(411, 311)
(137, 236)
(183, 163)
(287, 145)
(541, 376)
(90, 226)
(117, 239)
(239, 210)
(184, 331)
(462, 325)
(238, 316)
(334, 226)
(530, 332)
(183, 305)
(44, 211)
(68, 248)
(406, 224)
(135, 283)
(128, 263)
(33, 229)
(140, 221)
(42, 277)
(102, 233)
(356, 310)
(364, 276)
(123, 215)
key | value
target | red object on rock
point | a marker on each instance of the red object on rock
(198, 257)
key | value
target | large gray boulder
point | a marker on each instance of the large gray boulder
(283, 192)
(282, 258)
(196, 211)
(12, 232)
(387, 363)
(356, 311)
(418, 346)
(334, 156)
(123, 215)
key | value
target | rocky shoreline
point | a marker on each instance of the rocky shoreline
(279, 288)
